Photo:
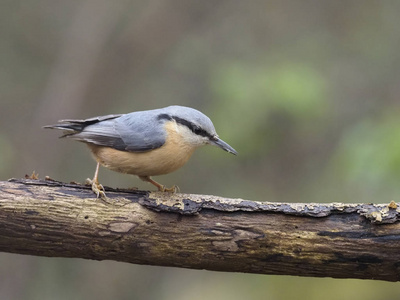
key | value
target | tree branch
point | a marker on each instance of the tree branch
(49, 218)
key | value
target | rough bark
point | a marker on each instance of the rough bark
(50, 218)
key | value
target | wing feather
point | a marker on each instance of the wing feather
(134, 132)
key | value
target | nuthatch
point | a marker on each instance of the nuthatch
(144, 143)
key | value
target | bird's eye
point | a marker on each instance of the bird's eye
(197, 130)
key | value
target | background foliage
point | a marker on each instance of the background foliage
(306, 91)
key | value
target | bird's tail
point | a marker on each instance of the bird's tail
(67, 128)
(71, 127)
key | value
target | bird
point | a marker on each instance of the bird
(143, 143)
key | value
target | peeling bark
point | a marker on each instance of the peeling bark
(50, 218)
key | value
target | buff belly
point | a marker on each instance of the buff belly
(166, 159)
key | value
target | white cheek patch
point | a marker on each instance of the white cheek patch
(189, 137)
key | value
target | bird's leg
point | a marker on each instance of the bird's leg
(97, 188)
(160, 187)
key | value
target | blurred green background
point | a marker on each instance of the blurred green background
(308, 93)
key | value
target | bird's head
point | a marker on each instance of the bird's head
(194, 127)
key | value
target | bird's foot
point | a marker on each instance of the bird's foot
(97, 188)
(173, 189)
(160, 187)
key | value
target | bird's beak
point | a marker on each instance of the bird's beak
(220, 143)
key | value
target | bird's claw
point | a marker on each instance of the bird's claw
(173, 189)
(160, 187)
(97, 188)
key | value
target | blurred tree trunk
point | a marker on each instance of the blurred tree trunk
(49, 218)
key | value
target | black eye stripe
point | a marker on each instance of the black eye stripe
(194, 128)
(164, 117)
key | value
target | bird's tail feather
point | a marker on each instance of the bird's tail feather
(71, 127)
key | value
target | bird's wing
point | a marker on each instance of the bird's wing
(134, 132)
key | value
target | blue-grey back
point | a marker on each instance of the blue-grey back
(135, 132)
